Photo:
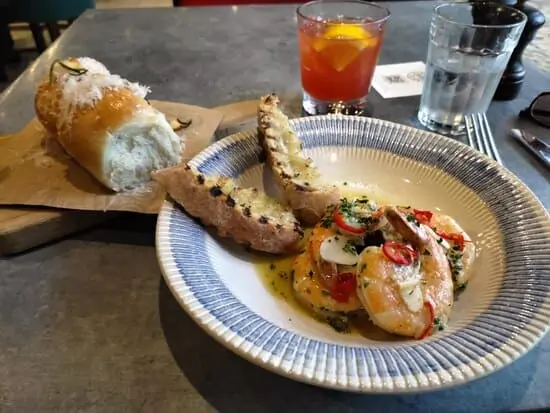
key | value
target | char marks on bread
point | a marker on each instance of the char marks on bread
(105, 124)
(247, 215)
(296, 174)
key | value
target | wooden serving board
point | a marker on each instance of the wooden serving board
(25, 228)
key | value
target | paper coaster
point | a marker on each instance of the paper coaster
(401, 79)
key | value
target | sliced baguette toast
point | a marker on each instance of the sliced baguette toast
(296, 174)
(247, 215)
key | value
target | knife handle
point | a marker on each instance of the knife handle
(534, 144)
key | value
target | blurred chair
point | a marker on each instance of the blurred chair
(38, 14)
(48, 13)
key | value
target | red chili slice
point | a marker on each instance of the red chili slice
(343, 288)
(340, 220)
(399, 253)
(431, 312)
(453, 236)
(422, 216)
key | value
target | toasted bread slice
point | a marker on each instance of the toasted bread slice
(296, 174)
(247, 215)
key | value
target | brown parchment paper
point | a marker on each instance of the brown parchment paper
(34, 169)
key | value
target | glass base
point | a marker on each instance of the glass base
(312, 106)
(453, 129)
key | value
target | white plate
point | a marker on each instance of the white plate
(503, 312)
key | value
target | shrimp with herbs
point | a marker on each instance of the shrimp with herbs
(457, 244)
(324, 274)
(406, 285)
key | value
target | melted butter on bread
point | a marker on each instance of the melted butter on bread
(247, 215)
(296, 174)
(286, 148)
(250, 201)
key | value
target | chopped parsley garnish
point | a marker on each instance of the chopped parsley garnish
(350, 248)
(339, 324)
(438, 324)
(463, 285)
(413, 220)
(369, 221)
(454, 258)
(345, 206)
(326, 222)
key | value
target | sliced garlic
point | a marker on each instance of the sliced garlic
(406, 276)
(337, 249)
(413, 297)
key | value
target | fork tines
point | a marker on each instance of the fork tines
(480, 136)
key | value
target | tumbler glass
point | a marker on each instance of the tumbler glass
(339, 43)
(469, 48)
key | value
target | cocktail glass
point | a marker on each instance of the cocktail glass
(339, 44)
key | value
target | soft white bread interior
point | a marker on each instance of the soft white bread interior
(296, 174)
(104, 122)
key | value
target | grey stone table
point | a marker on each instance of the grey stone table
(88, 325)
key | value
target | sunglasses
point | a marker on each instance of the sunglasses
(539, 110)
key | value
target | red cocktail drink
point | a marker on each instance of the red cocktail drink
(338, 53)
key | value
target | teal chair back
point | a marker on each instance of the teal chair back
(42, 11)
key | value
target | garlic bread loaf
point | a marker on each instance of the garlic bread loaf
(105, 124)
(296, 174)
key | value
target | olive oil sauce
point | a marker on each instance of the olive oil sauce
(276, 272)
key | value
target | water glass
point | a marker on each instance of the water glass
(339, 43)
(469, 48)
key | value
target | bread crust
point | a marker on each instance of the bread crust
(218, 202)
(296, 175)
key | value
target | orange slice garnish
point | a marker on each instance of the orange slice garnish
(342, 43)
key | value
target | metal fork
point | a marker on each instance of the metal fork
(480, 136)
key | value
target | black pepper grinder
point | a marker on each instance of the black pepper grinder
(514, 75)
